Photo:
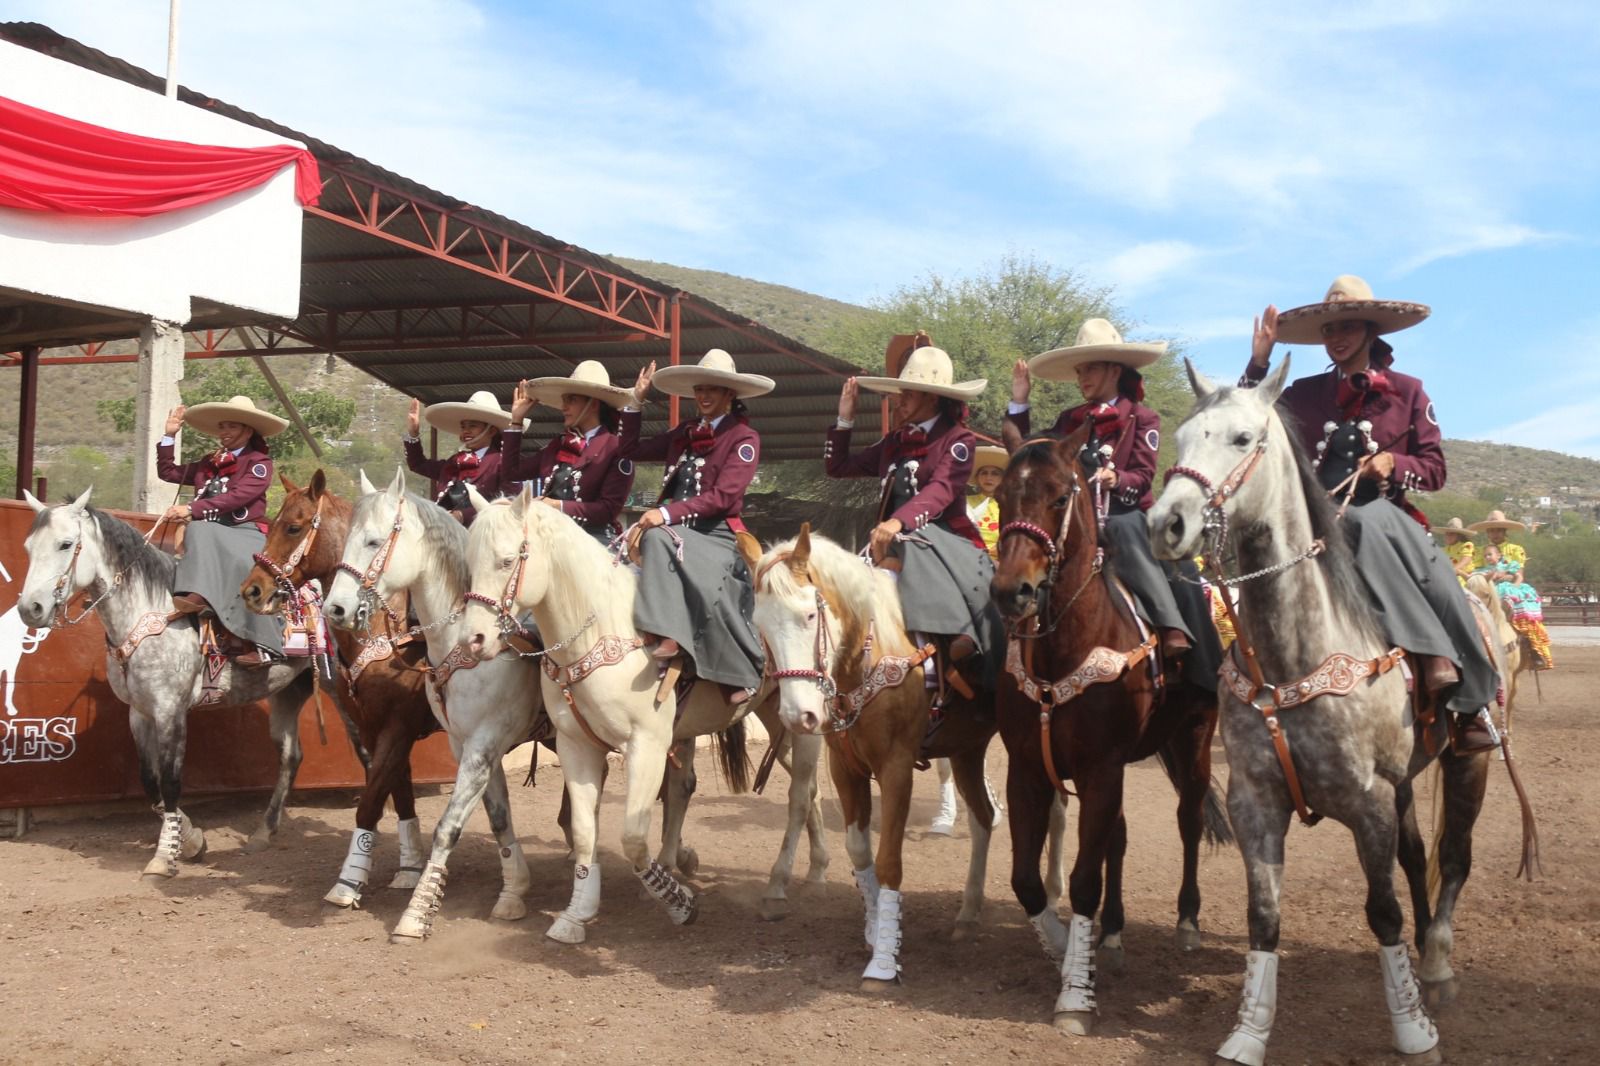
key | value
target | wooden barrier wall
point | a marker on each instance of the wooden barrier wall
(64, 735)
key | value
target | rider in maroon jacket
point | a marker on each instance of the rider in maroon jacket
(478, 422)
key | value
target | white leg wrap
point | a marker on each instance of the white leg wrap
(867, 883)
(514, 883)
(679, 901)
(1052, 934)
(583, 908)
(356, 872)
(169, 845)
(885, 964)
(1258, 1004)
(416, 923)
(994, 801)
(410, 871)
(1077, 968)
(1414, 1032)
(944, 823)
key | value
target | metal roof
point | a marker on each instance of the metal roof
(439, 298)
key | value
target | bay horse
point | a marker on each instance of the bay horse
(1314, 719)
(154, 660)
(846, 669)
(380, 684)
(599, 682)
(403, 545)
(1080, 699)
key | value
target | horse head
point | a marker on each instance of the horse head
(381, 553)
(64, 557)
(1043, 496)
(498, 567)
(1230, 433)
(302, 543)
(803, 629)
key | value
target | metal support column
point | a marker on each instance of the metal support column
(27, 417)
(676, 347)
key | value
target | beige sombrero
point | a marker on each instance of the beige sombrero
(1496, 520)
(927, 369)
(1098, 341)
(990, 455)
(588, 378)
(483, 407)
(1348, 298)
(1455, 528)
(715, 368)
(205, 416)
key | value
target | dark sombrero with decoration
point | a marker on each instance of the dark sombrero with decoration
(1348, 298)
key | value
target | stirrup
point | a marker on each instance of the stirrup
(671, 670)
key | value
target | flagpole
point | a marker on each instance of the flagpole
(172, 49)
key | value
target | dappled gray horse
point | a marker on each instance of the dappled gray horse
(153, 660)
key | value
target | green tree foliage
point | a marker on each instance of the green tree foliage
(8, 474)
(79, 467)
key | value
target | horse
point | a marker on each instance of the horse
(599, 682)
(380, 687)
(400, 543)
(154, 660)
(846, 668)
(1082, 697)
(1314, 716)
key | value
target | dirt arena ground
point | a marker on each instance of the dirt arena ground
(238, 961)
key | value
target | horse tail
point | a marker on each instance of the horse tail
(1214, 811)
(733, 757)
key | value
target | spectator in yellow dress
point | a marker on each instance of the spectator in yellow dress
(988, 468)
(1459, 547)
(1506, 563)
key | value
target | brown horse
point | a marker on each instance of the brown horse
(379, 682)
(845, 667)
(1079, 700)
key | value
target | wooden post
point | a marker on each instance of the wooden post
(27, 417)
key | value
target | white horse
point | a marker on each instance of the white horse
(401, 543)
(153, 659)
(523, 555)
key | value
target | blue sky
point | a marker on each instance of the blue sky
(1204, 159)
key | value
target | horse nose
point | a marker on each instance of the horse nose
(809, 721)
(251, 592)
(475, 645)
(32, 612)
(1168, 534)
(336, 612)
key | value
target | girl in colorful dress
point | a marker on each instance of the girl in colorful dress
(696, 596)
(227, 520)
(478, 423)
(581, 471)
(1415, 596)
(982, 508)
(1459, 548)
(1505, 563)
(1121, 450)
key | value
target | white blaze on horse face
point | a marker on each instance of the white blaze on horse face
(789, 626)
(50, 551)
(1212, 442)
(367, 537)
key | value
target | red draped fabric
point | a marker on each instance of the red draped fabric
(49, 162)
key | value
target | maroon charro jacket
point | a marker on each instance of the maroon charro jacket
(1133, 453)
(243, 496)
(485, 477)
(941, 476)
(730, 465)
(604, 477)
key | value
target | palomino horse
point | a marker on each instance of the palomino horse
(381, 688)
(400, 543)
(1314, 718)
(153, 659)
(599, 683)
(1079, 701)
(846, 668)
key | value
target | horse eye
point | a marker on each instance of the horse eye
(1060, 503)
(1242, 440)
(505, 563)
(65, 545)
(293, 530)
(811, 616)
(373, 543)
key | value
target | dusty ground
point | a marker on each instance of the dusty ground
(239, 961)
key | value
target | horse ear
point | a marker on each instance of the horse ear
(319, 484)
(367, 487)
(800, 555)
(1010, 438)
(83, 500)
(475, 497)
(288, 486)
(397, 487)
(1073, 443)
(33, 502)
(1272, 388)
(1202, 385)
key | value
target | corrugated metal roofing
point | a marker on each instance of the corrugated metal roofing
(417, 342)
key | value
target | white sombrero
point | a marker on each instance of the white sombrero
(483, 407)
(588, 378)
(205, 416)
(927, 369)
(1496, 520)
(1455, 527)
(1098, 341)
(715, 368)
(990, 455)
(1348, 298)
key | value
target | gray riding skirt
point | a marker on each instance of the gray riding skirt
(1168, 594)
(704, 602)
(944, 591)
(216, 560)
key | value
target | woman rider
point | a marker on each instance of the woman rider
(1505, 562)
(580, 472)
(923, 532)
(1415, 595)
(1121, 449)
(478, 422)
(226, 522)
(695, 590)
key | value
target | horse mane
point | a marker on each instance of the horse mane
(861, 590)
(128, 553)
(580, 564)
(442, 535)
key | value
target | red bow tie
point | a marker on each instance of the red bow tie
(701, 436)
(222, 460)
(1355, 390)
(1108, 419)
(571, 447)
(908, 442)
(465, 460)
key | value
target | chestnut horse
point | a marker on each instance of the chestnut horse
(1080, 699)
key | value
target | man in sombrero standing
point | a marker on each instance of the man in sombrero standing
(1415, 595)
(478, 423)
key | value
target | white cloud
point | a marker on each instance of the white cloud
(1143, 264)
(1476, 237)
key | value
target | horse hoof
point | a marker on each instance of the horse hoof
(411, 929)
(1075, 1022)
(1111, 960)
(685, 915)
(398, 938)
(566, 931)
(509, 909)
(194, 847)
(406, 879)
(1437, 995)
(159, 869)
(259, 841)
(773, 910)
(964, 932)
(817, 875)
(1188, 937)
(878, 986)
(688, 861)
(342, 895)
(1431, 1057)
